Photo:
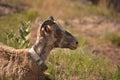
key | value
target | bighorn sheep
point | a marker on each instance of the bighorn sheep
(29, 64)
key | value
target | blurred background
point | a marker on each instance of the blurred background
(95, 23)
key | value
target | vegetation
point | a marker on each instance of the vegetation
(21, 41)
(107, 3)
(68, 65)
(78, 65)
(114, 38)
(64, 64)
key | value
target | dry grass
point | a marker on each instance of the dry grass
(81, 64)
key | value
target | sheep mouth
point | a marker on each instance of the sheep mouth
(73, 47)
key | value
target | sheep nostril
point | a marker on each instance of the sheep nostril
(76, 42)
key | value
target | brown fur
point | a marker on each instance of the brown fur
(18, 64)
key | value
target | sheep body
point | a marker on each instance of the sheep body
(22, 64)
(17, 63)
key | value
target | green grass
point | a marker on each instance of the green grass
(21, 41)
(12, 23)
(65, 64)
(78, 65)
(117, 73)
(113, 38)
(14, 20)
(81, 64)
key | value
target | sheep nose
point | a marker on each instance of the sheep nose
(77, 42)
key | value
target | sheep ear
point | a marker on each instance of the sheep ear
(46, 27)
(46, 30)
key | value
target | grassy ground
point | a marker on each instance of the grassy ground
(79, 65)
(84, 63)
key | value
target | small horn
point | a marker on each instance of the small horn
(51, 18)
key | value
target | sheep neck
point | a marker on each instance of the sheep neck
(42, 48)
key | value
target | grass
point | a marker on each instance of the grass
(113, 38)
(12, 23)
(65, 64)
(64, 9)
(117, 73)
(78, 65)
(21, 41)
(15, 19)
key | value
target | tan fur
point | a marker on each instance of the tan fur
(18, 64)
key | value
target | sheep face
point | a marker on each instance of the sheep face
(57, 36)
(66, 40)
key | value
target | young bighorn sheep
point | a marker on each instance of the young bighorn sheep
(29, 64)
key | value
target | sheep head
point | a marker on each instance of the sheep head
(56, 36)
